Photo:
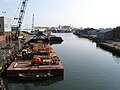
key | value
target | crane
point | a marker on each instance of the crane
(19, 20)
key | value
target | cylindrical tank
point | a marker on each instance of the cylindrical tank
(36, 60)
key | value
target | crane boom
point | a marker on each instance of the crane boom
(22, 13)
(17, 27)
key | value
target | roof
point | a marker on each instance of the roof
(65, 27)
(105, 30)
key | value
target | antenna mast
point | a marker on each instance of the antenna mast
(33, 23)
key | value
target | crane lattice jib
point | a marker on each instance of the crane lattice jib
(21, 14)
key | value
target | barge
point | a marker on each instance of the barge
(36, 60)
(54, 39)
(25, 69)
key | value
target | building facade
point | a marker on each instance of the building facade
(106, 34)
(5, 25)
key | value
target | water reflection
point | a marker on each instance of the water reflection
(116, 58)
(14, 83)
(115, 55)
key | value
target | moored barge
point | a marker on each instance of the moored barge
(36, 60)
(24, 68)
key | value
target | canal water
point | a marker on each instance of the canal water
(86, 67)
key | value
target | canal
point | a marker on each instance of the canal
(87, 67)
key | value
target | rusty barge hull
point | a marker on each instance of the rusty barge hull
(24, 67)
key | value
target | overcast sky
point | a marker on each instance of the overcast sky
(79, 13)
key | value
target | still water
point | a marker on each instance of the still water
(87, 67)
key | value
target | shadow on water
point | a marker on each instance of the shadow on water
(18, 84)
(47, 82)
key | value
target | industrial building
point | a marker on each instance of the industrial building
(105, 34)
(5, 25)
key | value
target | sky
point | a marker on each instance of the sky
(79, 13)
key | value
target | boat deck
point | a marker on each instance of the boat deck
(25, 67)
